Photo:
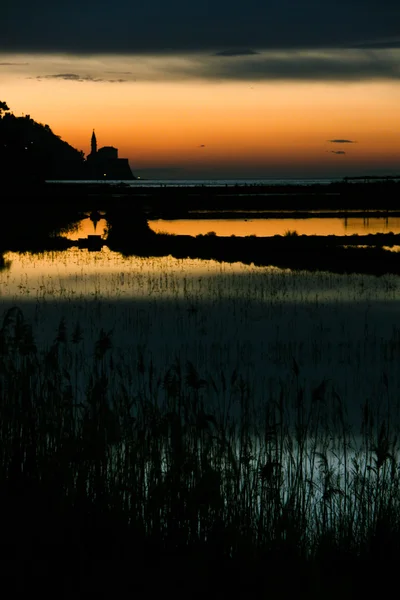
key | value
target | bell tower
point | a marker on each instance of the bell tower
(94, 144)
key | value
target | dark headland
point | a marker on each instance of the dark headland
(30, 154)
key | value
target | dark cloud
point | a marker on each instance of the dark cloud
(156, 26)
(342, 141)
(79, 78)
(236, 53)
(67, 77)
(339, 65)
(333, 65)
(378, 44)
(338, 152)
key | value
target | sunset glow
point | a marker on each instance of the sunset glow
(208, 127)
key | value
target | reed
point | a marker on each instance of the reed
(114, 459)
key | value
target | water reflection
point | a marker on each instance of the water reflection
(76, 273)
(93, 224)
(79, 273)
(221, 317)
(270, 227)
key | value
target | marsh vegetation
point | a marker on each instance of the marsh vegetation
(191, 419)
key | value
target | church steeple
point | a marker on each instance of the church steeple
(94, 143)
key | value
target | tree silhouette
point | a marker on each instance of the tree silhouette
(3, 107)
(30, 151)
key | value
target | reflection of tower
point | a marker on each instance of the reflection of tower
(94, 143)
(95, 217)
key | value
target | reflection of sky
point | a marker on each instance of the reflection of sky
(270, 227)
(87, 227)
(258, 227)
(77, 273)
(220, 317)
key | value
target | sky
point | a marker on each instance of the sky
(288, 88)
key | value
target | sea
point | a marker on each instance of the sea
(207, 182)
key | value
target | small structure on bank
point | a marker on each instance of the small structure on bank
(103, 163)
(91, 242)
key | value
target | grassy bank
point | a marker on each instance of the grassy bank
(117, 473)
(337, 254)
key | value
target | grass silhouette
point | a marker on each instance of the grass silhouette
(142, 488)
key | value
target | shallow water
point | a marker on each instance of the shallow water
(87, 227)
(259, 227)
(242, 327)
(220, 317)
(269, 227)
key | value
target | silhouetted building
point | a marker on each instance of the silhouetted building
(107, 152)
(105, 164)
(93, 144)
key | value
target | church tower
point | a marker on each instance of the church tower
(94, 144)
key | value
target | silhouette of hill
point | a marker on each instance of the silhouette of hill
(31, 152)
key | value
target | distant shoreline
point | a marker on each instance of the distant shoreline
(289, 214)
(377, 198)
(235, 182)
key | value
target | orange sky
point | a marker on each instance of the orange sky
(261, 128)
